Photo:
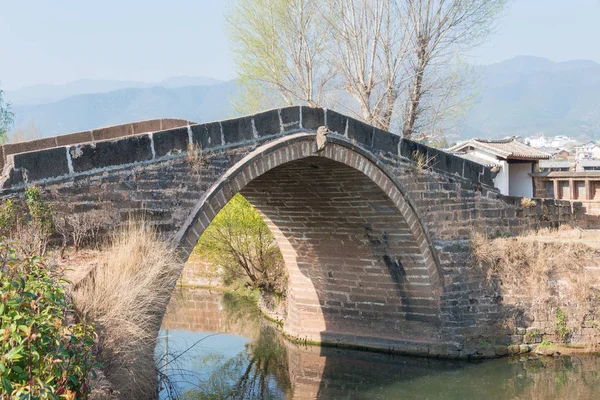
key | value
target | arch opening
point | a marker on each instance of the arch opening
(360, 269)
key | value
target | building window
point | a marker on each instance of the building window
(564, 192)
(550, 189)
(580, 190)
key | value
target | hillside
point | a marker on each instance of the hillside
(521, 96)
(88, 111)
(530, 95)
(45, 93)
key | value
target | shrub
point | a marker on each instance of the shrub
(561, 325)
(84, 227)
(239, 241)
(28, 223)
(43, 355)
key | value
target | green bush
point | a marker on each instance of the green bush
(27, 222)
(44, 353)
(239, 242)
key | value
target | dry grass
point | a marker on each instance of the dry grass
(195, 158)
(422, 162)
(539, 260)
(126, 296)
(526, 202)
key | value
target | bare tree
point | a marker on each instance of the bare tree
(280, 45)
(371, 46)
(439, 30)
(391, 62)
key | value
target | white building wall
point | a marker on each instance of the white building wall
(501, 180)
(520, 183)
(484, 156)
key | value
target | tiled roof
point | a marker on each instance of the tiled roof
(557, 164)
(589, 163)
(474, 158)
(504, 148)
(551, 150)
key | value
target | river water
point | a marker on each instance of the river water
(217, 346)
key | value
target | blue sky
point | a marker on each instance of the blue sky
(43, 41)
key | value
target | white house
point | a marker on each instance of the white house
(588, 151)
(542, 141)
(513, 160)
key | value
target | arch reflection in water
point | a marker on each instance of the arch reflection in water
(216, 346)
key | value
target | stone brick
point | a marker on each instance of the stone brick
(385, 141)
(151, 125)
(237, 130)
(336, 122)
(110, 153)
(43, 164)
(22, 147)
(74, 138)
(171, 142)
(112, 132)
(312, 118)
(360, 132)
(267, 123)
(290, 117)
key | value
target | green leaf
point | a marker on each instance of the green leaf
(7, 386)
(14, 353)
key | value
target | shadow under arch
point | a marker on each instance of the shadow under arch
(362, 270)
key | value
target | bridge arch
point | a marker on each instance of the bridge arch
(362, 269)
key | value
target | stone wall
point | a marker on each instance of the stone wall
(94, 135)
(377, 246)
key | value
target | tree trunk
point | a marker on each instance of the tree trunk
(415, 91)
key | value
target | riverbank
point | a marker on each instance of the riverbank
(238, 350)
(483, 350)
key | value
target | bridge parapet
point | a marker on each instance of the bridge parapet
(60, 157)
(106, 133)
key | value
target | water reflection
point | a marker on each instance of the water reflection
(216, 346)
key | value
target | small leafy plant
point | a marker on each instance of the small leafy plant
(43, 352)
(561, 325)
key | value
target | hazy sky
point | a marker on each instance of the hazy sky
(44, 41)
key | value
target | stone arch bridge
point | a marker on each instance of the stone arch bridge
(374, 229)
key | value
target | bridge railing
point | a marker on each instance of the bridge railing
(93, 135)
(83, 152)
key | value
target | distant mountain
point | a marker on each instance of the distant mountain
(531, 95)
(39, 94)
(88, 111)
(521, 96)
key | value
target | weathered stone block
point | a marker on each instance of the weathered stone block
(42, 164)
(336, 122)
(312, 118)
(360, 132)
(33, 145)
(106, 154)
(207, 135)
(290, 117)
(74, 138)
(267, 123)
(151, 125)
(112, 132)
(237, 130)
(472, 170)
(385, 141)
(170, 142)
